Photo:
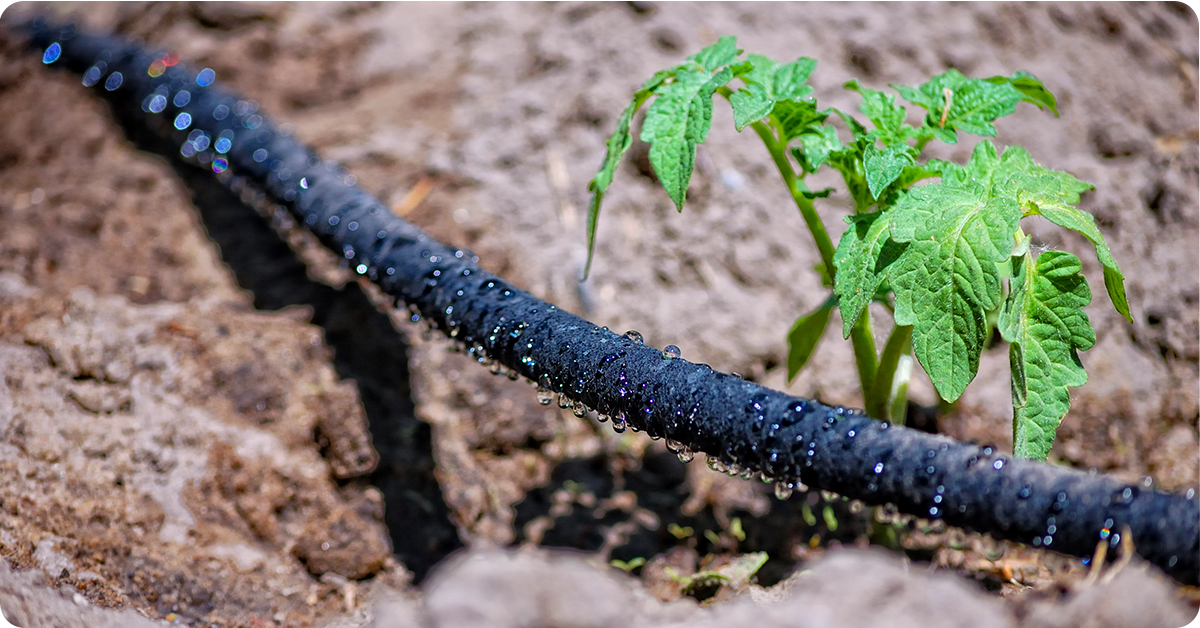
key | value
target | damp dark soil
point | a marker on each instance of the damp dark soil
(205, 422)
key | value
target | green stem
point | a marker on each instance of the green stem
(899, 344)
(862, 338)
(796, 188)
(861, 335)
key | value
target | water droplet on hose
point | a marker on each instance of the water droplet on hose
(670, 352)
(783, 490)
(52, 53)
(618, 423)
(634, 336)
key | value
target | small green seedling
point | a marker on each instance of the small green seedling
(628, 565)
(948, 259)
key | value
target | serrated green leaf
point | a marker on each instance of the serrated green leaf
(791, 79)
(955, 102)
(1032, 90)
(797, 117)
(1045, 325)
(931, 94)
(880, 108)
(883, 166)
(950, 172)
(804, 336)
(848, 161)
(750, 104)
(762, 71)
(899, 187)
(768, 87)
(1053, 194)
(861, 265)
(724, 52)
(678, 120)
(817, 142)
(618, 144)
(1083, 223)
(947, 279)
(977, 103)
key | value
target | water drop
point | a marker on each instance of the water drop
(670, 352)
(634, 336)
(581, 410)
(52, 53)
(999, 464)
(92, 76)
(783, 490)
(618, 423)
(155, 103)
(603, 418)
(545, 396)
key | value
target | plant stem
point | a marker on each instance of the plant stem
(861, 335)
(803, 203)
(899, 343)
(862, 338)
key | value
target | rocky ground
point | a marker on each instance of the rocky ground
(198, 425)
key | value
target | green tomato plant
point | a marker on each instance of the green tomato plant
(948, 259)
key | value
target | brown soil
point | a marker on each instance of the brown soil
(200, 425)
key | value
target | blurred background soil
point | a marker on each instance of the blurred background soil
(200, 425)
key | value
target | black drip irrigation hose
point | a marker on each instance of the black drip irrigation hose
(742, 427)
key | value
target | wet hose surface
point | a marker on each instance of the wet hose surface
(741, 426)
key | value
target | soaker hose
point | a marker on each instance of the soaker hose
(741, 426)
